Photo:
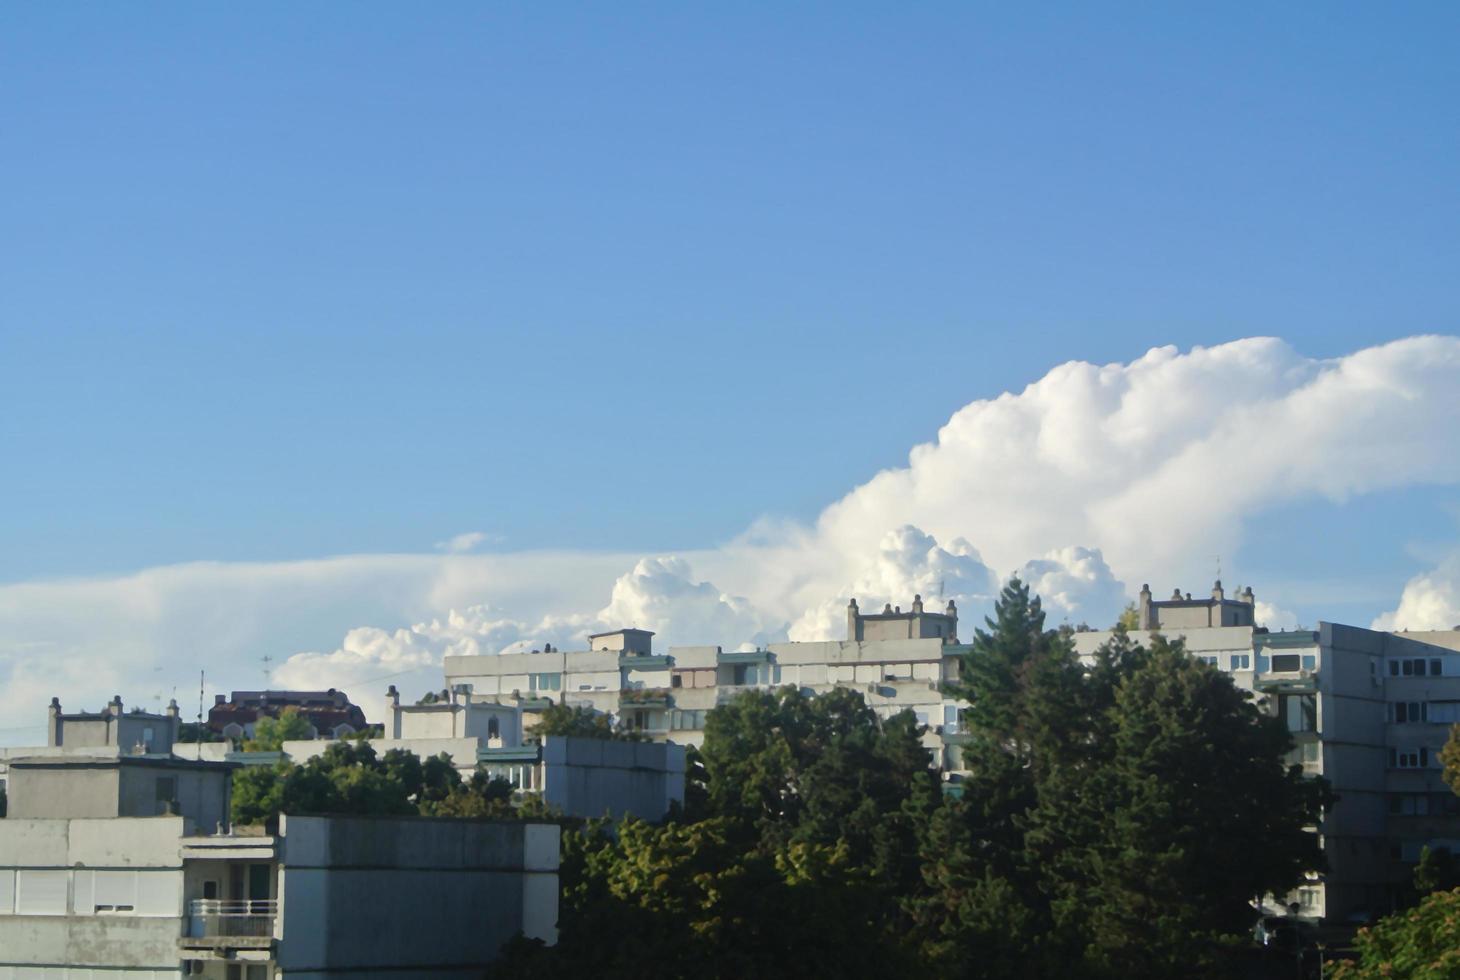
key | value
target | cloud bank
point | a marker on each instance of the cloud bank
(1090, 479)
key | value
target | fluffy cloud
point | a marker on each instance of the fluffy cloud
(658, 594)
(1075, 584)
(1091, 476)
(1157, 462)
(1430, 601)
(907, 562)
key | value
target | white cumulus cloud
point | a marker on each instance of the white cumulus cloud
(1430, 601)
(1088, 478)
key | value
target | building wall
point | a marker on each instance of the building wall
(360, 896)
(201, 795)
(590, 777)
(63, 792)
(82, 862)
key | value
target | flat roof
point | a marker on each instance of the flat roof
(594, 636)
(106, 762)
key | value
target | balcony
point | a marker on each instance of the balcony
(215, 925)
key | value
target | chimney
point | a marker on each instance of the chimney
(392, 704)
(1217, 594)
(174, 718)
(219, 699)
(917, 605)
(1143, 609)
(853, 614)
(53, 723)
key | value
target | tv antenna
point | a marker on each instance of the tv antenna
(266, 660)
(198, 734)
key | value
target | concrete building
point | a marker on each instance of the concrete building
(898, 660)
(89, 891)
(1368, 711)
(329, 713)
(130, 731)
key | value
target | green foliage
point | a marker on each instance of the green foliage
(1450, 759)
(1116, 820)
(1420, 944)
(348, 778)
(1436, 871)
(562, 719)
(193, 732)
(270, 734)
(1130, 618)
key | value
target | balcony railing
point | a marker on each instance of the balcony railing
(218, 918)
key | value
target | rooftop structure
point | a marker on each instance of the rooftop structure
(894, 624)
(130, 731)
(622, 641)
(1184, 612)
(329, 712)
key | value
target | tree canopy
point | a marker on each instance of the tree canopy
(1420, 944)
(270, 734)
(1115, 820)
(580, 722)
(349, 778)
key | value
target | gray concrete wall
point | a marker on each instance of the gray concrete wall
(81, 938)
(63, 792)
(590, 777)
(202, 796)
(372, 896)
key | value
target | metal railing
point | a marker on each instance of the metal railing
(232, 917)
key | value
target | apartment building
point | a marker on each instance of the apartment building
(898, 660)
(97, 882)
(1368, 710)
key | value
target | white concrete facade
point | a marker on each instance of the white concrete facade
(150, 897)
(666, 697)
(1368, 711)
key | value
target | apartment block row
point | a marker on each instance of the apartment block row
(122, 867)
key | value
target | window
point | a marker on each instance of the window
(950, 720)
(494, 728)
(1416, 667)
(1299, 712)
(1286, 663)
(1409, 805)
(1444, 712)
(1408, 712)
(1241, 661)
(676, 680)
(545, 682)
(1209, 661)
(757, 674)
(40, 892)
(686, 721)
(1409, 758)
(1435, 665)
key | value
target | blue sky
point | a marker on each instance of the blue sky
(285, 281)
(280, 282)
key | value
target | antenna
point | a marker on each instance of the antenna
(1219, 568)
(940, 588)
(266, 660)
(202, 682)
